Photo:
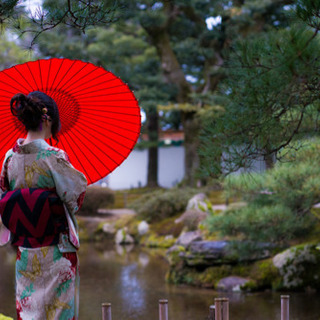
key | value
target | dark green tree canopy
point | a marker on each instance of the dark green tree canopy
(270, 94)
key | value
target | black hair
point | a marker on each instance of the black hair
(29, 110)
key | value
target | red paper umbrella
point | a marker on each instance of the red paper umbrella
(100, 116)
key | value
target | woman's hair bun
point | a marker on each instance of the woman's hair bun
(28, 110)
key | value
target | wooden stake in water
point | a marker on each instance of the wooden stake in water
(212, 312)
(163, 309)
(225, 308)
(221, 309)
(218, 308)
(106, 311)
(285, 307)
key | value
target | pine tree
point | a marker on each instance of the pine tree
(270, 94)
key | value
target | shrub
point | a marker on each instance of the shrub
(273, 223)
(162, 204)
(96, 198)
(279, 201)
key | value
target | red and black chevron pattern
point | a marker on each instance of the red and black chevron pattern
(35, 216)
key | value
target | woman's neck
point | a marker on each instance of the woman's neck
(34, 135)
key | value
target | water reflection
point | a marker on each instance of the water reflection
(131, 289)
(133, 281)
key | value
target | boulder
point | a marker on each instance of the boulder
(198, 202)
(143, 228)
(296, 268)
(186, 238)
(208, 253)
(232, 283)
(123, 237)
(299, 267)
(174, 254)
(108, 228)
(191, 218)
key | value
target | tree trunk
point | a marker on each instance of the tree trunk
(171, 68)
(173, 74)
(153, 126)
(269, 161)
(191, 142)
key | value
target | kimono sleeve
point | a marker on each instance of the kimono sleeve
(4, 186)
(70, 183)
(4, 181)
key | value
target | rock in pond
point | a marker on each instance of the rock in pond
(123, 237)
(108, 228)
(295, 269)
(208, 253)
(143, 228)
(232, 283)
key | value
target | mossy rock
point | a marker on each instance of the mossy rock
(207, 278)
(296, 268)
(264, 275)
(167, 227)
(217, 197)
(173, 255)
(261, 275)
(299, 267)
(206, 253)
(131, 223)
(154, 241)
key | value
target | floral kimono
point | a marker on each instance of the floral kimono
(47, 279)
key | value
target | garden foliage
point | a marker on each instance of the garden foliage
(270, 93)
(162, 204)
(96, 198)
(278, 201)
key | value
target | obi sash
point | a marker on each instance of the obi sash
(34, 216)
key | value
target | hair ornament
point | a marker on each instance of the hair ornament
(44, 110)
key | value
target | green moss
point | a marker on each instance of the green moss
(265, 274)
(2, 317)
(211, 276)
(217, 197)
(249, 286)
(314, 235)
(208, 278)
(124, 198)
(174, 255)
(83, 232)
(129, 221)
(155, 241)
(295, 269)
(167, 227)
(299, 267)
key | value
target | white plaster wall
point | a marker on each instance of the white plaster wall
(132, 172)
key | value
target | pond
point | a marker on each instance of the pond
(133, 280)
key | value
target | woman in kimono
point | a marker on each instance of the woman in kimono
(47, 264)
